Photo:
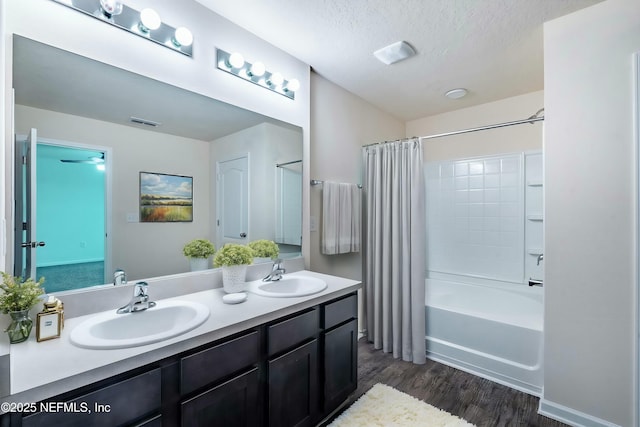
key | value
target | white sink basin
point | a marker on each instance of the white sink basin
(291, 285)
(166, 320)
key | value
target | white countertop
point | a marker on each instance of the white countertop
(41, 370)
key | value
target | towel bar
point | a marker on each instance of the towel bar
(320, 182)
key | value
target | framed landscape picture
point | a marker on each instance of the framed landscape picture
(165, 198)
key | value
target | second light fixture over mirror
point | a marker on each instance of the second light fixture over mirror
(257, 73)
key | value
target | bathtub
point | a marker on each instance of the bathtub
(491, 331)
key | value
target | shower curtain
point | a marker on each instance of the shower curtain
(394, 252)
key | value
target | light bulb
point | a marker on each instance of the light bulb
(276, 79)
(111, 7)
(235, 60)
(182, 37)
(149, 20)
(293, 85)
(257, 69)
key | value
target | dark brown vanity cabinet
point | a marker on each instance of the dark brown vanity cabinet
(232, 403)
(133, 401)
(220, 385)
(293, 371)
(339, 351)
(292, 366)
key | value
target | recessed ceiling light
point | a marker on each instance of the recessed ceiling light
(456, 93)
(394, 52)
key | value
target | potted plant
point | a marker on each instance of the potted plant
(264, 250)
(16, 300)
(198, 251)
(233, 258)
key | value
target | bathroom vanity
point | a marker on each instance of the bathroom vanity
(265, 362)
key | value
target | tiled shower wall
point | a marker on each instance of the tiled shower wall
(476, 218)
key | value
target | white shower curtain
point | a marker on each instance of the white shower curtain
(394, 252)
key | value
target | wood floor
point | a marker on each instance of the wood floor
(477, 400)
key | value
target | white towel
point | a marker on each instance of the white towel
(340, 218)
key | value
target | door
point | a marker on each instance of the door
(233, 201)
(60, 191)
(25, 243)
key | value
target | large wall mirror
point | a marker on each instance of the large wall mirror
(96, 128)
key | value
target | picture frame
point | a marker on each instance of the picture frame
(48, 325)
(165, 197)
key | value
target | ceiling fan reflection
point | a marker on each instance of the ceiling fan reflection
(93, 160)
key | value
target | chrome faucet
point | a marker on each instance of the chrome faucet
(540, 258)
(119, 277)
(140, 300)
(277, 270)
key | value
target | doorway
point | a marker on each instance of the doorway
(63, 212)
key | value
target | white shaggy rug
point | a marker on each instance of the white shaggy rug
(385, 406)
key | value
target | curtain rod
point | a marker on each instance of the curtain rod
(287, 163)
(531, 120)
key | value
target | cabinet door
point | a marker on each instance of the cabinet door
(340, 364)
(123, 403)
(293, 387)
(233, 403)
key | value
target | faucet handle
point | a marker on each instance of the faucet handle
(140, 289)
(119, 277)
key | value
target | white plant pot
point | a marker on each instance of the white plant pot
(233, 277)
(198, 264)
(261, 259)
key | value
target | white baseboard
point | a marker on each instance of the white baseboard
(70, 262)
(570, 416)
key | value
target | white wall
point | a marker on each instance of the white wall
(143, 250)
(341, 124)
(495, 141)
(590, 200)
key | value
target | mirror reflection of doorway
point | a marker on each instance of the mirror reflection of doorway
(70, 215)
(233, 201)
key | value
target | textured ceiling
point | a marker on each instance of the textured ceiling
(493, 48)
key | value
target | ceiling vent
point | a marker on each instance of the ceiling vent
(395, 52)
(140, 121)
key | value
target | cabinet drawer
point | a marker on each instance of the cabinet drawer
(212, 364)
(288, 333)
(339, 311)
(129, 400)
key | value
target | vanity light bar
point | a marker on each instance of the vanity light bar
(146, 24)
(256, 73)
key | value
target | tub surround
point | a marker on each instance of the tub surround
(43, 370)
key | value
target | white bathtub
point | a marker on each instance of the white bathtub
(492, 332)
